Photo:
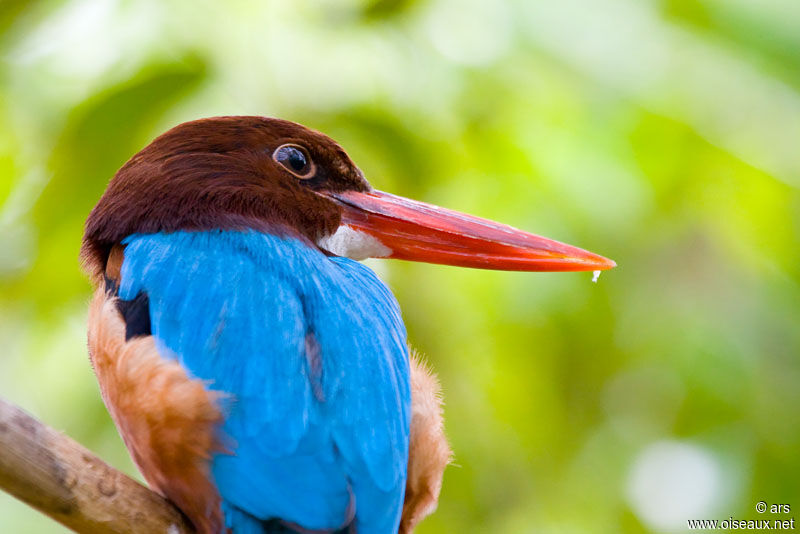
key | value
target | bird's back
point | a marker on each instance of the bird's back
(306, 358)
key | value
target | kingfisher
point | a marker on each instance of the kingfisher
(259, 375)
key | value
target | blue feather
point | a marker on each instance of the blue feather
(312, 350)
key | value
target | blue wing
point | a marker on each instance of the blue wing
(312, 351)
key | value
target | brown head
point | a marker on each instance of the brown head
(277, 176)
(224, 173)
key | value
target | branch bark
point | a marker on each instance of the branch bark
(64, 480)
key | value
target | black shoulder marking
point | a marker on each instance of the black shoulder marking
(111, 285)
(136, 314)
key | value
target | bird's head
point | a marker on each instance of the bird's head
(278, 176)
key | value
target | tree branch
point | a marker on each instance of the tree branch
(62, 479)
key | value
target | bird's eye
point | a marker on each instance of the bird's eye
(294, 159)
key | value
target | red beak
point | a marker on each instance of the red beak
(418, 231)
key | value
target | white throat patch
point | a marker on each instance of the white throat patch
(350, 243)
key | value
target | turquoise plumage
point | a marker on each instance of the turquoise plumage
(311, 351)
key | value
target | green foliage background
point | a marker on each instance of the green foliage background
(664, 134)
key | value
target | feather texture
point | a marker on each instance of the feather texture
(168, 420)
(311, 354)
(429, 452)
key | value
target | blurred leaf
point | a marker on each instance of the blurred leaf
(11, 11)
(745, 26)
(98, 137)
(385, 9)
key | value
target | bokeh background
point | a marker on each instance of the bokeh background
(664, 134)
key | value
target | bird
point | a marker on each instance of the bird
(259, 374)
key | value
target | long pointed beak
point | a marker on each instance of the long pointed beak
(416, 231)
